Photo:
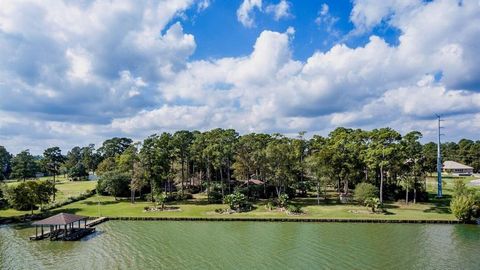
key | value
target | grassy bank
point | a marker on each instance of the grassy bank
(65, 189)
(435, 209)
(108, 206)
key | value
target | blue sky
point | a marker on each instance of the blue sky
(73, 73)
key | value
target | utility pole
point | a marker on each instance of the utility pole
(439, 159)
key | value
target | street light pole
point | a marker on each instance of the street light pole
(439, 160)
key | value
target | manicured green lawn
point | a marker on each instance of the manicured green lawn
(73, 188)
(107, 206)
(437, 209)
(65, 189)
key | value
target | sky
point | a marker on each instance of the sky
(79, 72)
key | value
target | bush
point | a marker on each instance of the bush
(178, 196)
(27, 195)
(364, 192)
(463, 207)
(270, 205)
(215, 196)
(373, 203)
(193, 189)
(160, 199)
(294, 209)
(183, 197)
(283, 200)
(459, 188)
(238, 202)
(114, 183)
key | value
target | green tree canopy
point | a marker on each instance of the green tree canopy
(28, 195)
(23, 165)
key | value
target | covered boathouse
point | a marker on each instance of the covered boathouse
(62, 226)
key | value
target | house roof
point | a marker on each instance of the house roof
(60, 219)
(455, 165)
(253, 181)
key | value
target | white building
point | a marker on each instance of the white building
(457, 168)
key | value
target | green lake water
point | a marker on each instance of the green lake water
(248, 245)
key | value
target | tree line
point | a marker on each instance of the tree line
(211, 161)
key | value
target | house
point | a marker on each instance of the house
(457, 168)
(254, 182)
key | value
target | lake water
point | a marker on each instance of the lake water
(248, 245)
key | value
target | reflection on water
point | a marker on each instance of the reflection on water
(248, 245)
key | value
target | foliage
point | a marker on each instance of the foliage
(364, 192)
(27, 195)
(2, 200)
(106, 165)
(373, 203)
(280, 162)
(156, 157)
(464, 204)
(114, 147)
(5, 163)
(270, 205)
(69, 200)
(283, 200)
(78, 172)
(238, 202)
(160, 199)
(295, 209)
(463, 207)
(114, 183)
(215, 196)
(459, 188)
(23, 165)
(53, 158)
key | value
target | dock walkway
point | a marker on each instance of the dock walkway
(96, 221)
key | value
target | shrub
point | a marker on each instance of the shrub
(215, 196)
(237, 201)
(114, 183)
(2, 200)
(26, 195)
(270, 205)
(295, 209)
(459, 188)
(373, 203)
(183, 197)
(463, 207)
(160, 199)
(283, 200)
(364, 192)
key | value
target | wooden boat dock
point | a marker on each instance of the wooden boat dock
(66, 227)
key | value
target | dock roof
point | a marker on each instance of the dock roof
(60, 219)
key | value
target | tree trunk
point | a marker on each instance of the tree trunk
(183, 174)
(228, 177)
(339, 184)
(208, 181)
(54, 187)
(414, 196)
(151, 190)
(318, 193)
(381, 184)
(132, 194)
(406, 196)
(345, 187)
(221, 180)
